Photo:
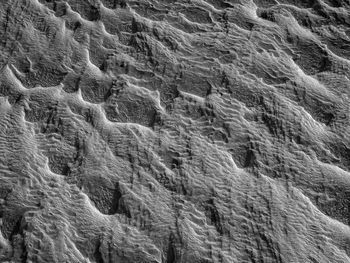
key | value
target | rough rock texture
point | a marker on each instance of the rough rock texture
(174, 131)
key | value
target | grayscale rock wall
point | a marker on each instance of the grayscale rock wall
(174, 131)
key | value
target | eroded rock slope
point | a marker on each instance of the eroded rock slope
(174, 131)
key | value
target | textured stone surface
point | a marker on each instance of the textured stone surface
(174, 131)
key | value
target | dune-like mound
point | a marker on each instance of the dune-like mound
(175, 131)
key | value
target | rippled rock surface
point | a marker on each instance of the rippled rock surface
(174, 131)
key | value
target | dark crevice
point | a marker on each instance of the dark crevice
(118, 205)
(97, 253)
(214, 216)
(171, 253)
